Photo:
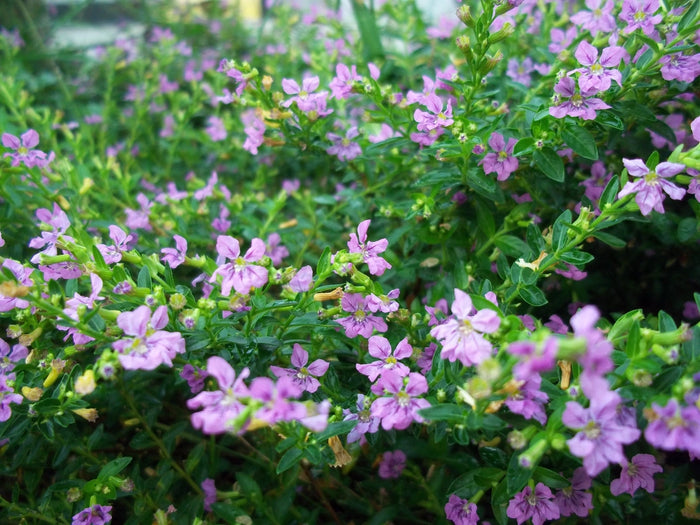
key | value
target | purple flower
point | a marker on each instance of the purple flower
(274, 250)
(576, 499)
(501, 160)
(304, 376)
(529, 400)
(343, 147)
(673, 427)
(195, 377)
(276, 399)
(24, 154)
(533, 357)
(150, 346)
(303, 95)
(639, 14)
(677, 66)
(216, 129)
(392, 464)
(435, 117)
(365, 421)
(341, 85)
(370, 250)
(460, 512)
(637, 474)
(651, 185)
(254, 129)
(175, 256)
(209, 489)
(444, 28)
(220, 407)
(9, 358)
(575, 104)
(361, 322)
(7, 397)
(598, 19)
(94, 515)
(113, 254)
(139, 218)
(461, 335)
(400, 408)
(383, 303)
(302, 280)
(594, 76)
(537, 505)
(596, 360)
(600, 434)
(380, 348)
(239, 274)
(21, 274)
(77, 301)
(428, 89)
(520, 71)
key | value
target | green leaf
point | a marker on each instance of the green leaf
(289, 459)
(249, 487)
(480, 183)
(550, 478)
(369, 33)
(484, 219)
(512, 246)
(610, 192)
(524, 146)
(144, 278)
(559, 230)
(516, 476)
(227, 512)
(532, 295)
(550, 163)
(688, 229)
(323, 268)
(576, 257)
(335, 429)
(444, 412)
(610, 240)
(581, 141)
(689, 16)
(439, 178)
(114, 467)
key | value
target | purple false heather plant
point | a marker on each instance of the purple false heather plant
(216, 129)
(343, 147)
(94, 515)
(21, 274)
(529, 401)
(209, 489)
(77, 301)
(501, 160)
(429, 88)
(383, 303)
(598, 19)
(175, 256)
(534, 357)
(302, 280)
(444, 28)
(59, 223)
(673, 427)
(304, 376)
(636, 474)
(274, 250)
(651, 185)
(303, 96)
(366, 422)
(461, 335)
(8, 357)
(254, 128)
(113, 254)
(275, 398)
(195, 377)
(239, 273)
(219, 408)
(392, 464)
(597, 75)
(149, 346)
(677, 66)
(400, 407)
(24, 154)
(342, 83)
(370, 250)
(136, 219)
(601, 434)
(568, 102)
(380, 348)
(7, 397)
(361, 322)
(576, 499)
(436, 116)
(639, 14)
(537, 505)
(460, 512)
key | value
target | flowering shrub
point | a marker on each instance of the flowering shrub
(397, 271)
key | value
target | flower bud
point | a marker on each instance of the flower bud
(32, 394)
(501, 34)
(89, 414)
(464, 46)
(491, 62)
(85, 384)
(465, 15)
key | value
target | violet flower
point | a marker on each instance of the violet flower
(460, 512)
(343, 147)
(638, 473)
(361, 322)
(240, 274)
(673, 427)
(370, 250)
(94, 515)
(528, 401)
(598, 19)
(400, 408)
(639, 14)
(302, 280)
(651, 184)
(392, 464)
(304, 376)
(461, 335)
(21, 275)
(533, 357)
(380, 348)
(274, 250)
(568, 102)
(576, 499)
(113, 254)
(342, 83)
(24, 154)
(597, 75)
(209, 489)
(175, 256)
(537, 505)
(303, 96)
(150, 346)
(436, 116)
(7, 397)
(501, 160)
(366, 422)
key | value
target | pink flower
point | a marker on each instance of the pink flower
(673, 427)
(651, 185)
(392, 464)
(7, 397)
(113, 254)
(365, 421)
(576, 499)
(72, 306)
(303, 95)
(341, 85)
(209, 489)
(400, 408)
(150, 346)
(24, 154)
(216, 129)
(639, 14)
(597, 75)
(220, 407)
(343, 147)
(444, 28)
(537, 505)
(370, 250)
(435, 117)
(461, 335)
(302, 280)
(502, 161)
(175, 256)
(460, 512)
(274, 250)
(380, 348)
(534, 357)
(239, 274)
(637, 474)
(361, 322)
(598, 19)
(529, 400)
(304, 376)
(94, 515)
(569, 102)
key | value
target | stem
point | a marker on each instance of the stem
(25, 512)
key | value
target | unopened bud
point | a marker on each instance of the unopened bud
(32, 394)
(89, 414)
(85, 384)
(501, 34)
(465, 15)
(491, 62)
(464, 45)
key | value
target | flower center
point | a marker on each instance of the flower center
(345, 142)
(303, 372)
(596, 69)
(651, 178)
(639, 16)
(502, 156)
(532, 499)
(576, 100)
(466, 327)
(138, 346)
(592, 430)
(632, 469)
(359, 315)
(391, 360)
(403, 399)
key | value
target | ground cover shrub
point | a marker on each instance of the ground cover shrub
(399, 272)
